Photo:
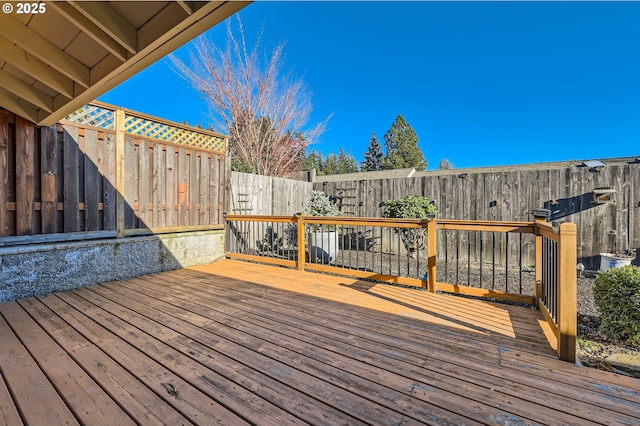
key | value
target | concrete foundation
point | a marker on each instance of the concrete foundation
(44, 268)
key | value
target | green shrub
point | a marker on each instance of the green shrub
(409, 207)
(617, 296)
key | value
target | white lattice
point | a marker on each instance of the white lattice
(144, 127)
(93, 115)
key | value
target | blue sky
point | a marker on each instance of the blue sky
(482, 83)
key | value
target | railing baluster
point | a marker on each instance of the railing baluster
(520, 263)
(493, 262)
(506, 263)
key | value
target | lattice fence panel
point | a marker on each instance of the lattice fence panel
(94, 115)
(99, 116)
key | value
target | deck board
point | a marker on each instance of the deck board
(237, 343)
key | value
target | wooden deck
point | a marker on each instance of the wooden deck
(237, 343)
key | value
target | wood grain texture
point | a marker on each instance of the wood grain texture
(25, 176)
(92, 181)
(236, 342)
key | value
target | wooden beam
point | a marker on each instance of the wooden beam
(26, 92)
(203, 19)
(37, 69)
(9, 102)
(186, 6)
(111, 22)
(87, 26)
(33, 43)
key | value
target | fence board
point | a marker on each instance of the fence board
(107, 163)
(130, 182)
(5, 154)
(171, 186)
(71, 184)
(158, 192)
(92, 181)
(194, 188)
(204, 190)
(25, 176)
(144, 190)
(49, 177)
(183, 180)
(214, 190)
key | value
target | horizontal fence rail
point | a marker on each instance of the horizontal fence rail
(434, 254)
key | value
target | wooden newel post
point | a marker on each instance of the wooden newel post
(120, 205)
(538, 276)
(300, 221)
(431, 255)
(567, 292)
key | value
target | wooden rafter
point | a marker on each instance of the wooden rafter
(34, 67)
(111, 22)
(33, 43)
(186, 5)
(81, 21)
(26, 92)
(16, 106)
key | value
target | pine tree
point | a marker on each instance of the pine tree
(330, 164)
(314, 160)
(346, 163)
(401, 142)
(373, 157)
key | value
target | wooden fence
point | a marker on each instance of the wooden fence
(64, 179)
(511, 195)
(266, 195)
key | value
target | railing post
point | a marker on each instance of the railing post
(538, 276)
(567, 292)
(432, 251)
(120, 171)
(300, 219)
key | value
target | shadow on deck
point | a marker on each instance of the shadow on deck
(235, 343)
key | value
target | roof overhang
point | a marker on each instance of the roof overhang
(71, 52)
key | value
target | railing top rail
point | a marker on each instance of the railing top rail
(366, 221)
(260, 218)
(486, 225)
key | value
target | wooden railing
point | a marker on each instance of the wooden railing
(556, 287)
(417, 253)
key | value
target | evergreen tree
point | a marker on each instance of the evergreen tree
(330, 164)
(346, 163)
(314, 160)
(373, 157)
(445, 164)
(401, 142)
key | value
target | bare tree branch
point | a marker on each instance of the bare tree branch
(264, 110)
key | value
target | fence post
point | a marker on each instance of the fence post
(432, 251)
(300, 219)
(120, 205)
(567, 292)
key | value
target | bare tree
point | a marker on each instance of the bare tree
(264, 110)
